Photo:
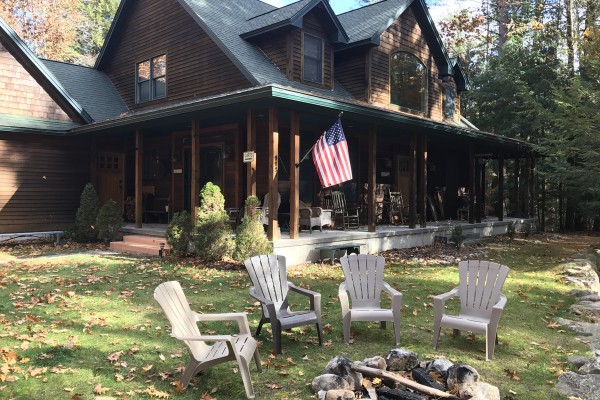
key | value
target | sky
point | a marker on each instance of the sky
(440, 11)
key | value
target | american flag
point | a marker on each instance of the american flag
(331, 158)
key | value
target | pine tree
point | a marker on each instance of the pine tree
(213, 240)
(85, 219)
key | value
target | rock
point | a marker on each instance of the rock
(460, 374)
(587, 308)
(339, 395)
(439, 366)
(582, 293)
(329, 382)
(583, 386)
(590, 298)
(375, 362)
(341, 366)
(590, 367)
(321, 394)
(478, 391)
(401, 360)
(578, 361)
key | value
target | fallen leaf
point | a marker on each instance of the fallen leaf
(98, 389)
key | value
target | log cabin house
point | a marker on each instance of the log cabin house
(182, 88)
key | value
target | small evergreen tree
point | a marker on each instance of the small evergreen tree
(213, 240)
(457, 237)
(85, 219)
(109, 221)
(179, 233)
(250, 239)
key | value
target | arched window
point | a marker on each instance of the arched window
(408, 82)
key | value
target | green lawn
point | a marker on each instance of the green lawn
(79, 326)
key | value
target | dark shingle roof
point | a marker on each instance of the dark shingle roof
(90, 87)
(274, 16)
(224, 20)
(20, 124)
(370, 21)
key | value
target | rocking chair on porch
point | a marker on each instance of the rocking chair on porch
(349, 218)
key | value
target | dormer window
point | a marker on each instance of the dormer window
(408, 82)
(312, 59)
(151, 79)
(449, 104)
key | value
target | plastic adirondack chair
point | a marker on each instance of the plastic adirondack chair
(481, 302)
(270, 287)
(364, 282)
(241, 347)
(349, 218)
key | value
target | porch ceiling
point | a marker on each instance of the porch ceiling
(179, 115)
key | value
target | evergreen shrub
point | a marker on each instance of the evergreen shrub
(511, 230)
(213, 239)
(457, 237)
(250, 237)
(179, 233)
(109, 221)
(85, 219)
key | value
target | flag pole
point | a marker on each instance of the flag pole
(313, 146)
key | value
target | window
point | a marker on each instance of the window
(449, 101)
(312, 65)
(408, 82)
(151, 79)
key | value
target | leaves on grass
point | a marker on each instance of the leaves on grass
(512, 374)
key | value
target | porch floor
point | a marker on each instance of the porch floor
(387, 237)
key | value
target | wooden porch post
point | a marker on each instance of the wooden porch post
(412, 185)
(501, 188)
(139, 153)
(294, 175)
(273, 178)
(477, 191)
(423, 179)
(532, 188)
(482, 191)
(372, 179)
(525, 186)
(472, 191)
(94, 162)
(251, 146)
(195, 175)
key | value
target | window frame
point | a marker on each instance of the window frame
(322, 59)
(425, 98)
(152, 79)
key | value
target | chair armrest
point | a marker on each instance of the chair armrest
(264, 301)
(439, 301)
(344, 300)
(394, 294)
(315, 297)
(316, 211)
(206, 338)
(240, 318)
(501, 303)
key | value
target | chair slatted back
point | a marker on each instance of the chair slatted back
(171, 298)
(480, 286)
(364, 279)
(269, 278)
(339, 202)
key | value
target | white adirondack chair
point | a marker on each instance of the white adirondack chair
(481, 302)
(364, 282)
(239, 347)
(270, 287)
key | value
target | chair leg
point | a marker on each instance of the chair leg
(397, 330)
(245, 373)
(347, 322)
(189, 373)
(276, 328)
(490, 343)
(320, 333)
(260, 325)
(436, 332)
(257, 361)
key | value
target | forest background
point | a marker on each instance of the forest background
(533, 68)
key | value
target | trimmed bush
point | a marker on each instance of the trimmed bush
(511, 230)
(213, 239)
(109, 221)
(250, 239)
(85, 219)
(457, 236)
(179, 233)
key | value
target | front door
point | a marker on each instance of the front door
(110, 177)
(211, 166)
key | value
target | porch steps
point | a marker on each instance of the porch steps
(140, 244)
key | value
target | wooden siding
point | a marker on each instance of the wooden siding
(404, 35)
(276, 48)
(351, 71)
(196, 66)
(21, 95)
(313, 25)
(41, 180)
